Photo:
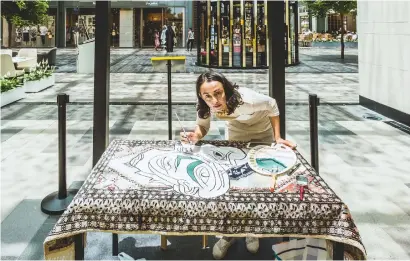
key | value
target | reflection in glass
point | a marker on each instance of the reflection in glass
(249, 32)
(225, 39)
(237, 35)
(261, 34)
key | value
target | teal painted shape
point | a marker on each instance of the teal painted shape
(191, 166)
(270, 164)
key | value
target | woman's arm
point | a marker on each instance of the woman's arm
(275, 122)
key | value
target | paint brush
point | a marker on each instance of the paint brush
(183, 129)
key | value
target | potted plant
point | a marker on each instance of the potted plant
(40, 78)
(12, 89)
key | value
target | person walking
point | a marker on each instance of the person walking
(170, 39)
(190, 39)
(156, 42)
(164, 37)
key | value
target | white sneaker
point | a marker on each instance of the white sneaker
(252, 244)
(221, 247)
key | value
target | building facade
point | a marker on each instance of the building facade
(233, 34)
(133, 23)
(384, 52)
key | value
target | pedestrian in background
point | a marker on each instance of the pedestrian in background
(190, 39)
(156, 40)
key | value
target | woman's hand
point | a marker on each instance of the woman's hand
(191, 137)
(286, 142)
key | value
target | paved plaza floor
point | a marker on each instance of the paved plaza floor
(365, 161)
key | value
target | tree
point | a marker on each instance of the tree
(320, 8)
(20, 12)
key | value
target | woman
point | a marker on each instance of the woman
(163, 37)
(156, 42)
(249, 116)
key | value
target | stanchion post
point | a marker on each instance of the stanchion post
(169, 65)
(62, 100)
(314, 136)
(57, 202)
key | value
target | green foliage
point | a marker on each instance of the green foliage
(42, 71)
(21, 12)
(8, 84)
(321, 8)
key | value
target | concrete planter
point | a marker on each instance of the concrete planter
(12, 96)
(333, 44)
(36, 86)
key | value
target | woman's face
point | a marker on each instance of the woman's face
(214, 95)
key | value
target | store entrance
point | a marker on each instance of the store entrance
(152, 20)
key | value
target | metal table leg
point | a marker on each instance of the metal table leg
(338, 251)
(163, 242)
(114, 244)
(79, 246)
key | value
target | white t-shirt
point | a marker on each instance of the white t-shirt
(43, 30)
(251, 119)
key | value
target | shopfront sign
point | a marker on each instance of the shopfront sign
(152, 3)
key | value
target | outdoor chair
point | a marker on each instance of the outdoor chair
(7, 51)
(27, 65)
(7, 67)
(50, 56)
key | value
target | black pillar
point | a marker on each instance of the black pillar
(101, 78)
(61, 30)
(296, 15)
(198, 32)
(276, 34)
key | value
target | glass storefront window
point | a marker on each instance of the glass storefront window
(175, 18)
(41, 35)
(261, 35)
(235, 32)
(225, 29)
(249, 33)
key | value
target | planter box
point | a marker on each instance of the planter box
(36, 86)
(12, 96)
(334, 44)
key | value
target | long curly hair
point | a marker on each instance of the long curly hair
(233, 97)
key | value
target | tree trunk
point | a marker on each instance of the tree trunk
(342, 46)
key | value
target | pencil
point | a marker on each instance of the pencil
(272, 188)
(183, 129)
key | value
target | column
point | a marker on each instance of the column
(277, 52)
(101, 79)
(60, 25)
(126, 28)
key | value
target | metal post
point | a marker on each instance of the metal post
(101, 78)
(277, 51)
(314, 138)
(198, 32)
(57, 202)
(79, 246)
(62, 100)
(169, 101)
(338, 251)
(60, 30)
(114, 244)
(296, 15)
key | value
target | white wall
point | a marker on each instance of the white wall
(384, 52)
(126, 28)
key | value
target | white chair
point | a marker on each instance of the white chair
(7, 67)
(7, 51)
(27, 53)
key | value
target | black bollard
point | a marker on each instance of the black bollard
(57, 202)
(169, 65)
(314, 135)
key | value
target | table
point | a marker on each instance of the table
(21, 59)
(153, 187)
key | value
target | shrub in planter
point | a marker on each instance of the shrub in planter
(11, 90)
(39, 78)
